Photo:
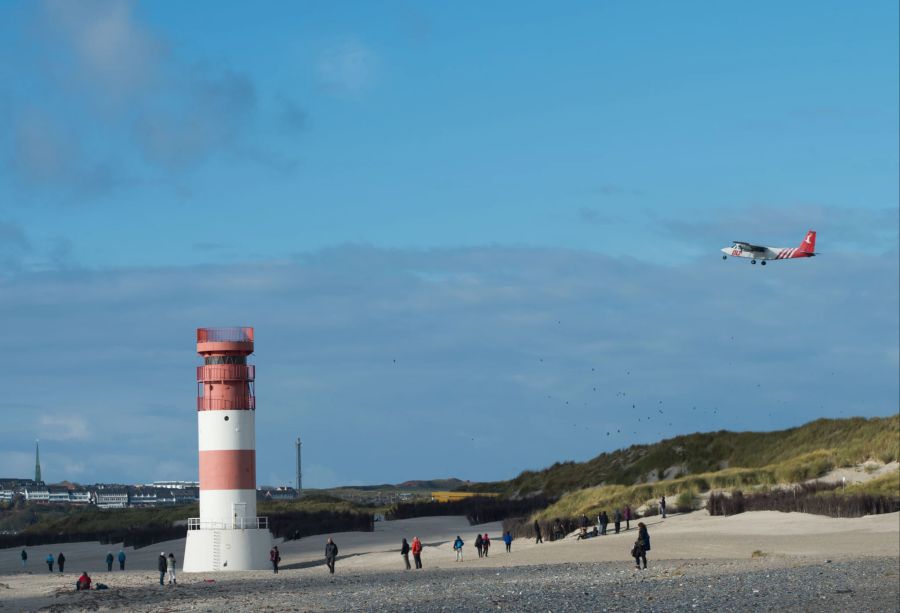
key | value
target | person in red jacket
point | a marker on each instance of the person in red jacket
(84, 582)
(275, 558)
(417, 551)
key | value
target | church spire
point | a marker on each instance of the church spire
(37, 462)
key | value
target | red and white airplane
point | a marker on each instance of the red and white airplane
(740, 249)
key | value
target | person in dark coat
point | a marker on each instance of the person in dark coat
(617, 519)
(274, 558)
(121, 559)
(644, 538)
(331, 552)
(404, 551)
(109, 561)
(61, 561)
(537, 533)
(24, 556)
(627, 517)
(162, 566)
(639, 553)
(604, 521)
(486, 544)
(662, 506)
(478, 544)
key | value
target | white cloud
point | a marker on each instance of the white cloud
(60, 427)
(347, 68)
(112, 50)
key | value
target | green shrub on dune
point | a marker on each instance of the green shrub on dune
(789, 455)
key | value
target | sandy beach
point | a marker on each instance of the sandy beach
(709, 557)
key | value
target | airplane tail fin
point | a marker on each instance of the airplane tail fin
(808, 246)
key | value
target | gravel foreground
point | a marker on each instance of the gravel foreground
(764, 584)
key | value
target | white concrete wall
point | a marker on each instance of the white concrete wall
(215, 505)
(237, 550)
(217, 433)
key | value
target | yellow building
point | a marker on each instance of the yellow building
(454, 496)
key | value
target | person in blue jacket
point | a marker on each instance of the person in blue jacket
(121, 559)
(458, 548)
(507, 538)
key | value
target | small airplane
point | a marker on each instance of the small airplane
(740, 249)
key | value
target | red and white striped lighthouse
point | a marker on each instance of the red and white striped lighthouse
(228, 535)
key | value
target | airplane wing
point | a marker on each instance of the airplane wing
(748, 246)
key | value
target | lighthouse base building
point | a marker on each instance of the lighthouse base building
(228, 535)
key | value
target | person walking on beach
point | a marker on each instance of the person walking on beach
(417, 551)
(50, 559)
(507, 539)
(639, 553)
(662, 506)
(644, 538)
(24, 556)
(458, 548)
(162, 566)
(617, 519)
(604, 521)
(478, 545)
(170, 569)
(537, 533)
(61, 561)
(331, 552)
(109, 561)
(404, 551)
(627, 517)
(121, 559)
(486, 544)
(274, 558)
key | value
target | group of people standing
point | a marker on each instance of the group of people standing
(166, 567)
(60, 560)
(618, 517)
(415, 549)
(110, 559)
(482, 545)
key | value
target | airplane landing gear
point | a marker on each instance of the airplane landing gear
(763, 263)
(724, 257)
(753, 261)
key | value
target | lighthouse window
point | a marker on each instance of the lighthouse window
(226, 359)
(226, 418)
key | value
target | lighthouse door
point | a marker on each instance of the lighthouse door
(238, 514)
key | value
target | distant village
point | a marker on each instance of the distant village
(118, 496)
(168, 493)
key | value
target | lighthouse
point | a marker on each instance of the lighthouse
(228, 535)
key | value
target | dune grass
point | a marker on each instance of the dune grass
(684, 490)
(784, 456)
(885, 485)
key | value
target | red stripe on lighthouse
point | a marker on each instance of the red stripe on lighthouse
(228, 470)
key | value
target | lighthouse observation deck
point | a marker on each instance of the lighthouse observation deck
(235, 341)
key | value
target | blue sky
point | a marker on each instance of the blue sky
(517, 202)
